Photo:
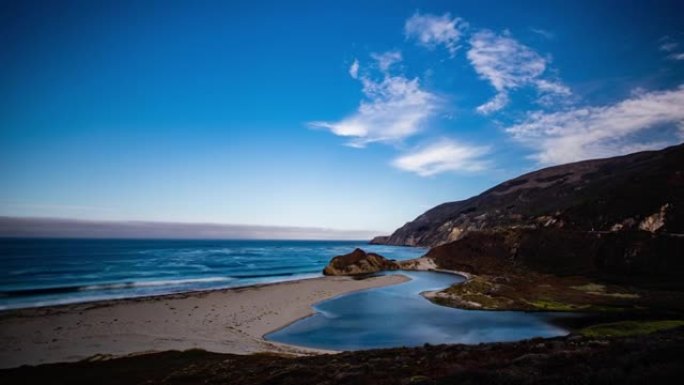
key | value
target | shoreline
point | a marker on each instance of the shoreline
(231, 320)
(149, 296)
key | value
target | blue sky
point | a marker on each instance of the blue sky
(349, 115)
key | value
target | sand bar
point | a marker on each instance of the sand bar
(225, 321)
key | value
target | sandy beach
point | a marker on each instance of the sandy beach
(224, 321)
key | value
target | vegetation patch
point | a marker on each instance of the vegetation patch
(550, 305)
(598, 289)
(478, 292)
(591, 288)
(629, 328)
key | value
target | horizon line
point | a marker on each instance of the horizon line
(54, 227)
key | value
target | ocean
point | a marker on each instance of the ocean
(43, 272)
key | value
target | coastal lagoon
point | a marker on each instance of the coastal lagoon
(398, 315)
(39, 272)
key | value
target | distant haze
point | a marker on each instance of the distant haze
(72, 228)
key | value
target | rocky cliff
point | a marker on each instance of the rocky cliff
(379, 240)
(637, 192)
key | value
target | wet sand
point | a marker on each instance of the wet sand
(222, 321)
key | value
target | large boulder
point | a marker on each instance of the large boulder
(359, 262)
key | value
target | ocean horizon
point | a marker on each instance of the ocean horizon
(36, 272)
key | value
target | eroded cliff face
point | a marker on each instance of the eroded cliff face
(379, 240)
(642, 191)
(636, 254)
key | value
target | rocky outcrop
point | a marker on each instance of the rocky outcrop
(420, 264)
(655, 222)
(359, 262)
(635, 256)
(379, 240)
(643, 191)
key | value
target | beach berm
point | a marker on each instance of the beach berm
(223, 321)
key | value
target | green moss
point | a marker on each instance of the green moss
(597, 289)
(473, 285)
(478, 284)
(629, 328)
(542, 304)
(484, 300)
(591, 287)
(478, 290)
(605, 308)
(536, 293)
(441, 301)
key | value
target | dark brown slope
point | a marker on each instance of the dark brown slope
(644, 191)
(652, 359)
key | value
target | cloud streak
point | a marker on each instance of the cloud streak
(387, 59)
(395, 107)
(671, 47)
(431, 30)
(593, 132)
(354, 69)
(677, 56)
(548, 35)
(442, 156)
(72, 228)
(509, 65)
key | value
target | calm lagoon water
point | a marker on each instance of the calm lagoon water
(38, 272)
(399, 316)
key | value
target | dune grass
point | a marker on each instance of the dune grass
(553, 305)
(629, 328)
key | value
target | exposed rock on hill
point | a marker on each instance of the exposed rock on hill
(641, 191)
(358, 262)
(379, 240)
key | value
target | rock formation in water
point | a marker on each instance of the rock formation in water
(358, 262)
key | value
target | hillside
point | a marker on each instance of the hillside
(655, 359)
(641, 191)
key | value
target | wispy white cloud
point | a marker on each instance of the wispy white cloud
(669, 45)
(387, 59)
(354, 69)
(76, 228)
(677, 56)
(548, 35)
(499, 101)
(395, 107)
(443, 156)
(592, 132)
(508, 65)
(432, 30)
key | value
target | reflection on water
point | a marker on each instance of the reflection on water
(398, 316)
